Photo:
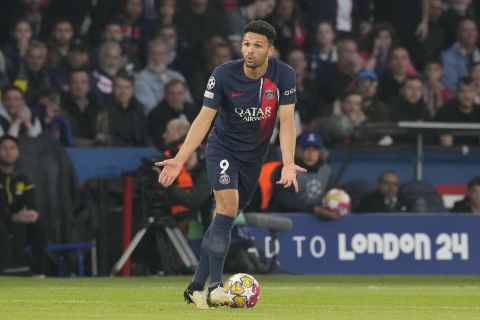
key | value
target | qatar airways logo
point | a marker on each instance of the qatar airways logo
(254, 114)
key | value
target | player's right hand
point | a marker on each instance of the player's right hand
(170, 170)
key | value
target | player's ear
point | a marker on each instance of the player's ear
(271, 50)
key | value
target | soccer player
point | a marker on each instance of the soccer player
(244, 97)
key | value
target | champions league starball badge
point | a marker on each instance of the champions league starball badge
(211, 83)
(224, 179)
(269, 94)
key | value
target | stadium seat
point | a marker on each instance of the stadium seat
(422, 197)
(77, 248)
(357, 188)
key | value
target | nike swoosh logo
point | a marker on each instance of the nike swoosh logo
(236, 94)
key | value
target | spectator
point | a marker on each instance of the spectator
(78, 57)
(110, 61)
(471, 202)
(16, 119)
(84, 111)
(167, 13)
(399, 68)
(133, 28)
(386, 198)
(461, 109)
(20, 223)
(307, 98)
(351, 105)
(324, 49)
(347, 115)
(36, 76)
(15, 49)
(173, 106)
(38, 16)
(112, 31)
(176, 59)
(375, 110)
(235, 20)
(436, 92)
(459, 57)
(410, 18)
(195, 24)
(214, 56)
(125, 114)
(382, 38)
(457, 10)
(175, 131)
(312, 185)
(60, 42)
(287, 20)
(49, 113)
(436, 39)
(150, 82)
(335, 78)
(409, 105)
(348, 15)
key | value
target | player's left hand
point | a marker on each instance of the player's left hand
(289, 176)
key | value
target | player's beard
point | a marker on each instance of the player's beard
(254, 64)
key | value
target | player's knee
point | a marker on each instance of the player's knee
(218, 249)
(229, 208)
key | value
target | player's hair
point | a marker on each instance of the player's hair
(263, 28)
(475, 181)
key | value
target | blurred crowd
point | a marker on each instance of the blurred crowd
(113, 73)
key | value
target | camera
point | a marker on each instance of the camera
(151, 195)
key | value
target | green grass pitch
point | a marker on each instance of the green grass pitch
(283, 297)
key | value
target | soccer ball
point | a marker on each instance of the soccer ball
(337, 200)
(243, 289)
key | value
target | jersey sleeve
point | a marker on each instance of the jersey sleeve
(212, 96)
(287, 88)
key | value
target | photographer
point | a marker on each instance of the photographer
(191, 192)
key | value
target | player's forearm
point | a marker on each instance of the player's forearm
(196, 134)
(287, 137)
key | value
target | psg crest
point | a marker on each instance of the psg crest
(224, 179)
(269, 94)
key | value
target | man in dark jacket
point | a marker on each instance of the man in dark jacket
(83, 110)
(173, 106)
(386, 198)
(471, 202)
(126, 119)
(20, 223)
